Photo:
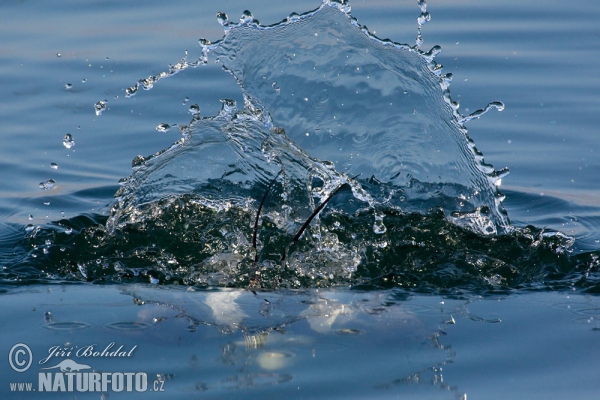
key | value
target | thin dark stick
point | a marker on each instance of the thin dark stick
(313, 215)
(262, 202)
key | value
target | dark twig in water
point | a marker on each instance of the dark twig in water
(262, 202)
(313, 215)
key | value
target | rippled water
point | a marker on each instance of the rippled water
(303, 153)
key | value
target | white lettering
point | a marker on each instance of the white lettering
(45, 382)
(117, 382)
(141, 382)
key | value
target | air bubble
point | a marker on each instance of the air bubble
(68, 141)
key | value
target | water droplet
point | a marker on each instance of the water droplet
(194, 109)
(68, 141)
(100, 107)
(84, 80)
(477, 114)
(246, 17)
(378, 227)
(228, 106)
(138, 160)
(68, 86)
(185, 100)
(293, 17)
(222, 19)
(68, 230)
(147, 83)
(163, 127)
(54, 165)
(57, 54)
(47, 184)
(131, 91)
(30, 218)
(82, 269)
(48, 317)
(424, 18)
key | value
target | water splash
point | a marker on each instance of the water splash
(325, 111)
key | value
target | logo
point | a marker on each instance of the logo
(69, 366)
(67, 375)
(20, 357)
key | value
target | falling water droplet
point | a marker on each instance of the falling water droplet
(100, 107)
(185, 100)
(30, 217)
(84, 80)
(163, 127)
(424, 18)
(54, 165)
(47, 184)
(68, 141)
(194, 109)
(68, 86)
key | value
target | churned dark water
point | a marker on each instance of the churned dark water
(306, 213)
